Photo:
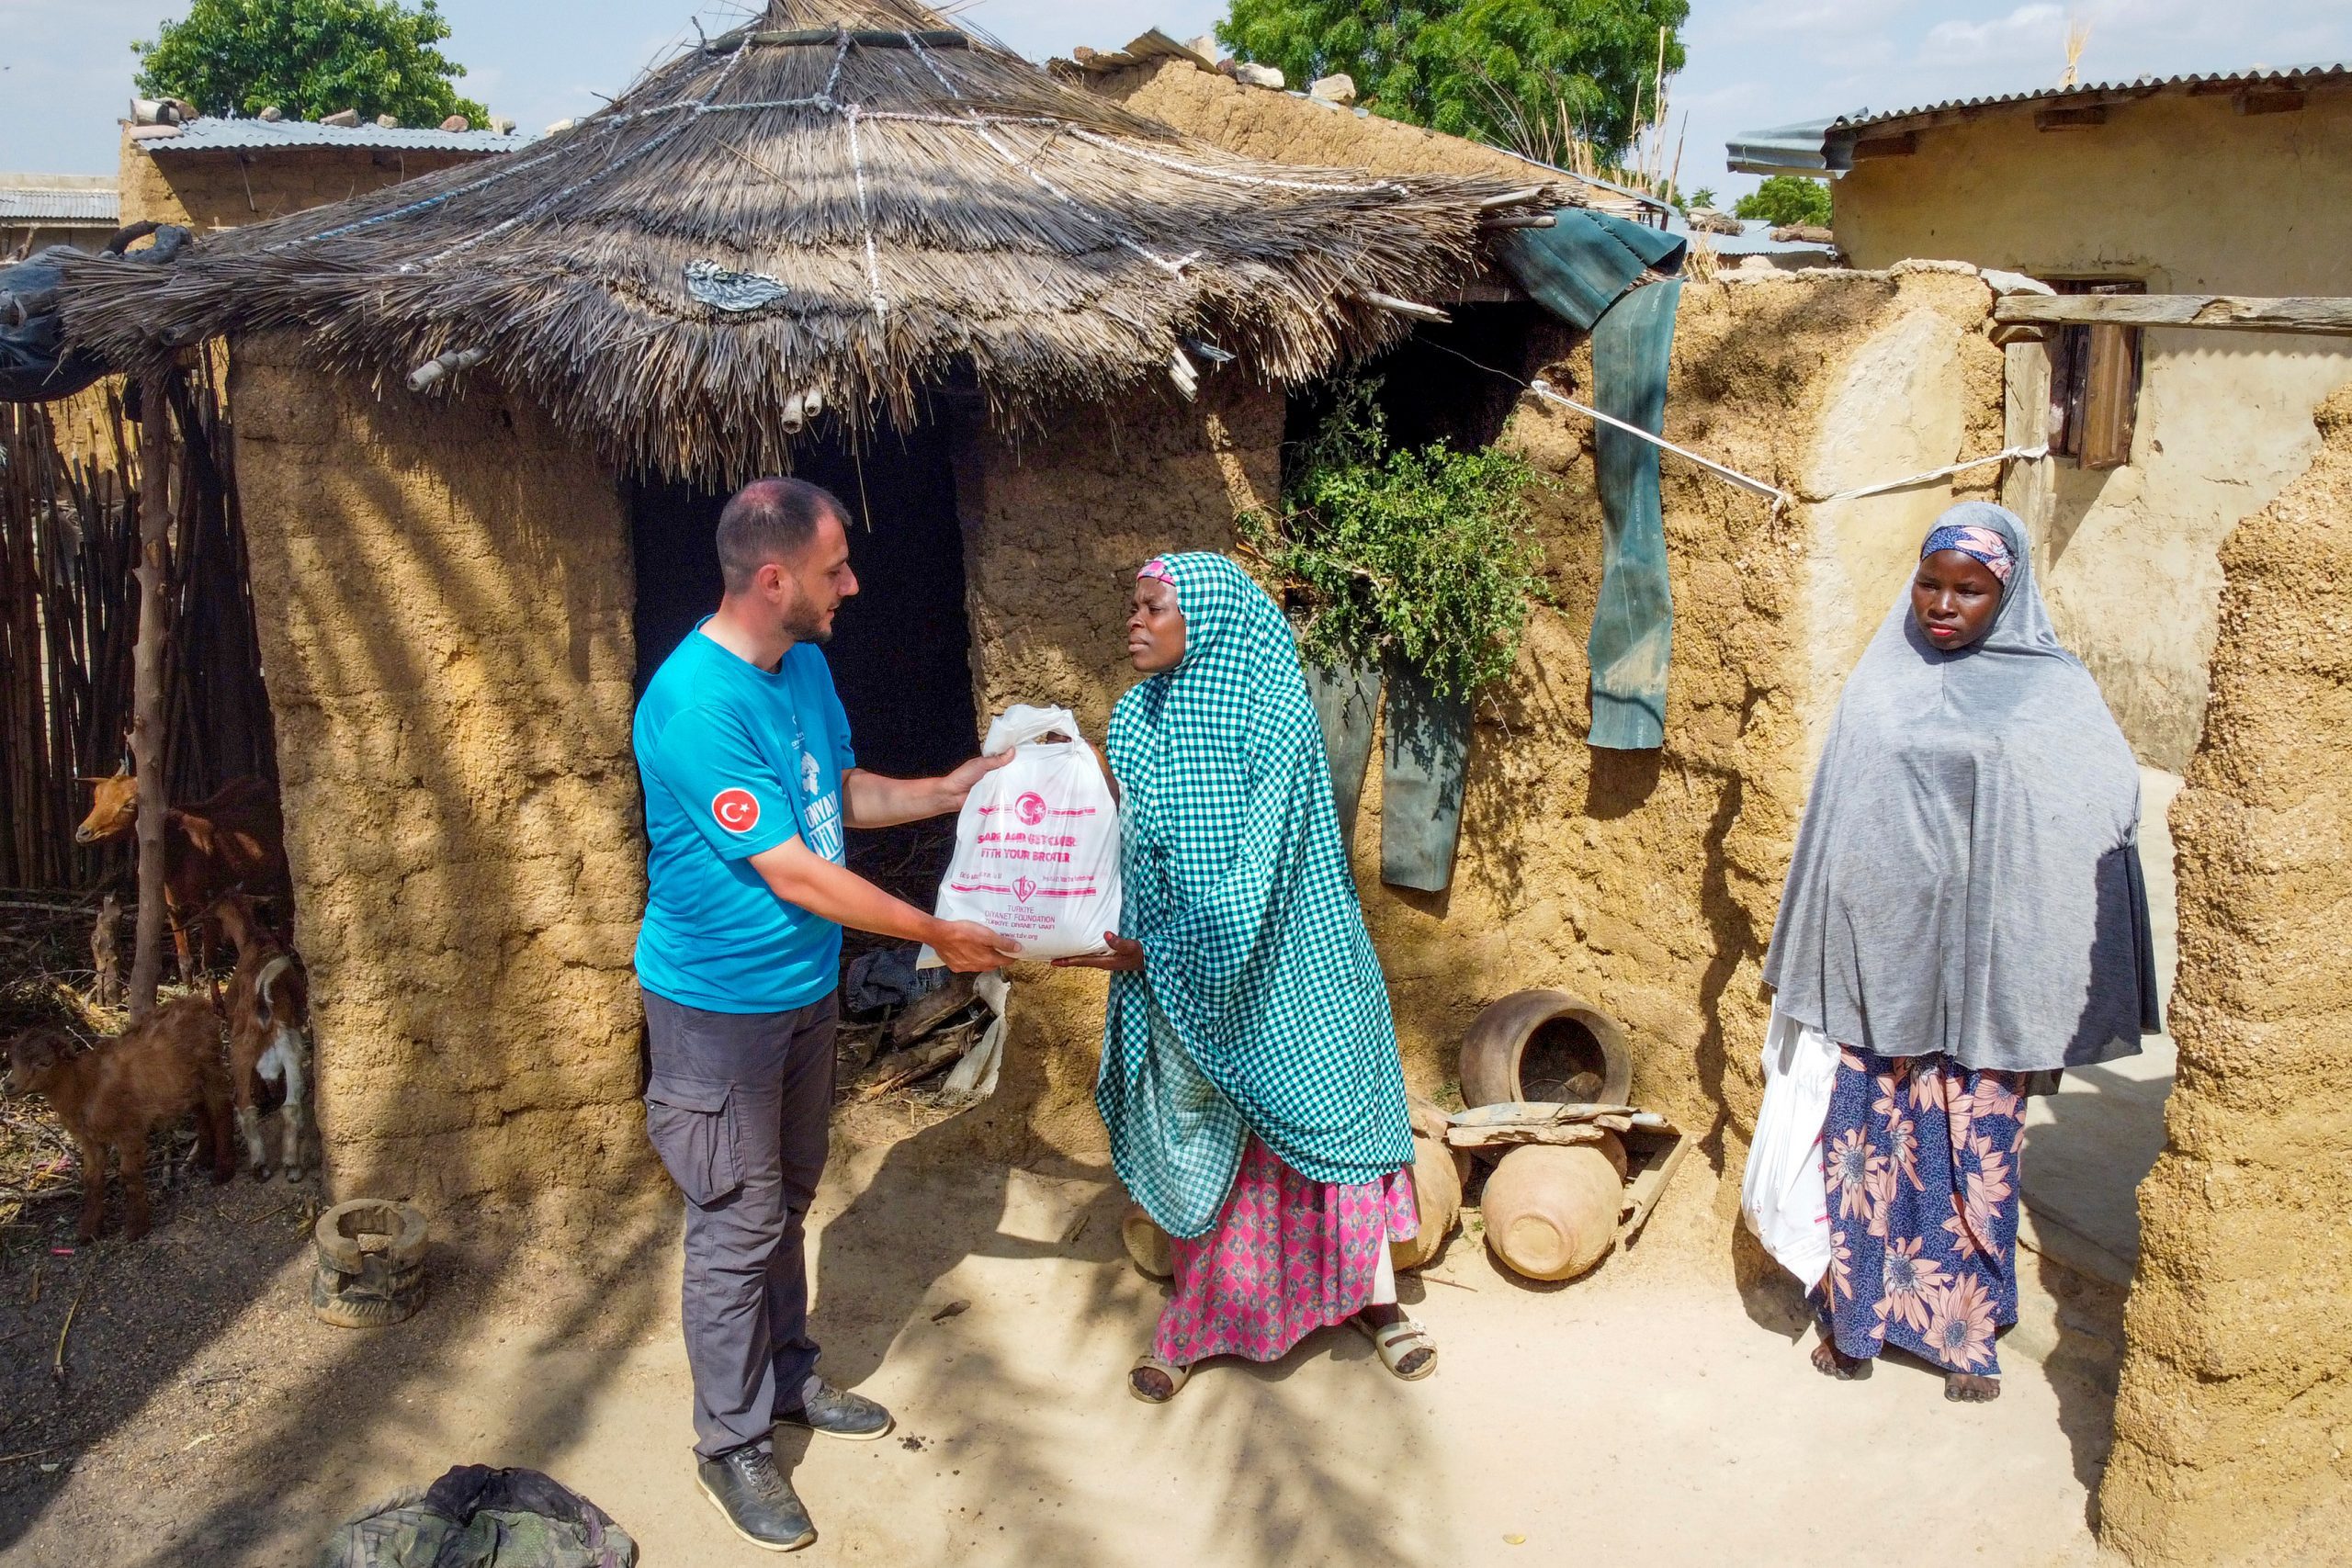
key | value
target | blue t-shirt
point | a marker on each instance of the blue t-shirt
(737, 761)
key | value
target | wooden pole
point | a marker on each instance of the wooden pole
(2325, 316)
(153, 576)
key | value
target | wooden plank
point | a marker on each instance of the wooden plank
(1650, 1186)
(1537, 1113)
(2329, 315)
(2081, 119)
(1564, 1134)
(2111, 383)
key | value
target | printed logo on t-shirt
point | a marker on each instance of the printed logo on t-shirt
(737, 810)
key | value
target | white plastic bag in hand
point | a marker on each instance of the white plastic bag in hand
(1784, 1195)
(1037, 844)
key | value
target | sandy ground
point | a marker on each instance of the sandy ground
(1647, 1412)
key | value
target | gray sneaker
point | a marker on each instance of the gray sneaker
(837, 1412)
(746, 1486)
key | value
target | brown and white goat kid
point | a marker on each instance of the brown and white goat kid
(110, 1098)
(269, 1031)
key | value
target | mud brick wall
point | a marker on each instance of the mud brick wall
(2236, 1413)
(224, 189)
(443, 590)
(1645, 882)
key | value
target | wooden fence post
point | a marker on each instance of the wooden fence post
(153, 575)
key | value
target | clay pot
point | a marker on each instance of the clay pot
(1437, 1190)
(1545, 1045)
(1551, 1211)
(1146, 1243)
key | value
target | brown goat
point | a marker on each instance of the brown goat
(234, 839)
(269, 1031)
(110, 1098)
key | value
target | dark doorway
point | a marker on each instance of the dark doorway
(901, 650)
(1440, 384)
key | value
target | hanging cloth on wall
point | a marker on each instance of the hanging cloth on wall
(1587, 269)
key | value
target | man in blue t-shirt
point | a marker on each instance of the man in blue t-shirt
(748, 782)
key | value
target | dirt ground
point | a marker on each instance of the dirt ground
(206, 1419)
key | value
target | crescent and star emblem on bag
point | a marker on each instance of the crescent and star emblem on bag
(737, 810)
(1030, 809)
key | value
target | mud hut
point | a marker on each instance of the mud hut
(484, 419)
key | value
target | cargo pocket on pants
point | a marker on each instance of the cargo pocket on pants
(693, 1129)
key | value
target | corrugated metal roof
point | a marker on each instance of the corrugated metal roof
(1783, 149)
(2093, 92)
(1817, 147)
(38, 205)
(219, 135)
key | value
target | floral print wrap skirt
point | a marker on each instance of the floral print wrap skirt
(1920, 1157)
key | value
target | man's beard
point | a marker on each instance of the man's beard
(804, 624)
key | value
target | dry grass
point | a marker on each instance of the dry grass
(939, 212)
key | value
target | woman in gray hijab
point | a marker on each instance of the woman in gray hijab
(1964, 916)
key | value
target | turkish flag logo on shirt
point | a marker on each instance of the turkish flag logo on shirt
(737, 810)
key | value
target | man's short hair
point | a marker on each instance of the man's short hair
(769, 520)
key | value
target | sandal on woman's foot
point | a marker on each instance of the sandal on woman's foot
(1970, 1388)
(1406, 1348)
(1141, 1388)
(1830, 1361)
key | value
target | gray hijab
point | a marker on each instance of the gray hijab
(1967, 876)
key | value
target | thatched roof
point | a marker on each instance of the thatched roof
(846, 196)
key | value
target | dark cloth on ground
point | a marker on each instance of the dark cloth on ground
(475, 1517)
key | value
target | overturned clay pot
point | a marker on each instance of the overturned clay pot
(1437, 1193)
(1146, 1243)
(371, 1263)
(1551, 1211)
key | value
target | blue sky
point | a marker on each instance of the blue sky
(65, 64)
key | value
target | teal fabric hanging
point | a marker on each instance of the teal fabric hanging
(1586, 269)
(1583, 263)
(1424, 765)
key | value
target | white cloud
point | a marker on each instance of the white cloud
(2034, 33)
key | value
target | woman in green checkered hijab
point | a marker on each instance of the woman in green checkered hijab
(1250, 1080)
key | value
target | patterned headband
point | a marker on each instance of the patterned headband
(1984, 544)
(1157, 569)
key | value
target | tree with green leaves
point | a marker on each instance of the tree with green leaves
(310, 58)
(1490, 69)
(1786, 199)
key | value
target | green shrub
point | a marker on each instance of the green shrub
(1425, 554)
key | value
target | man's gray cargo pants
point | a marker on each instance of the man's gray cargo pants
(738, 1106)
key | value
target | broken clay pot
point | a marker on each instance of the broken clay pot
(371, 1263)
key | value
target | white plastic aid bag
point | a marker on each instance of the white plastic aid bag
(1783, 1193)
(1037, 844)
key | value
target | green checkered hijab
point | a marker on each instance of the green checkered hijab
(1260, 1007)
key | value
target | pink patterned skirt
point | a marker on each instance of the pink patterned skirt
(1287, 1256)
